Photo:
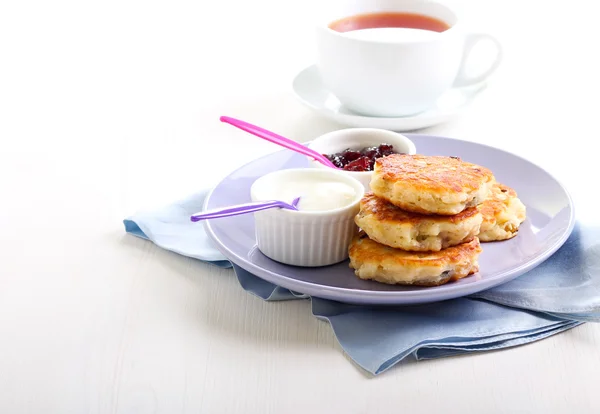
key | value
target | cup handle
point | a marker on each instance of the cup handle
(470, 41)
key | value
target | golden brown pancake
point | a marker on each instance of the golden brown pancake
(430, 184)
(502, 213)
(375, 261)
(389, 225)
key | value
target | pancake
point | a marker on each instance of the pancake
(430, 184)
(374, 261)
(389, 225)
(502, 214)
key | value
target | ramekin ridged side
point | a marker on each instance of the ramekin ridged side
(301, 240)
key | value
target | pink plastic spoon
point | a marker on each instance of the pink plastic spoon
(278, 139)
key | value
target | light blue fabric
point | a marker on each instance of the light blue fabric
(558, 295)
(171, 229)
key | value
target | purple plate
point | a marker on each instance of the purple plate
(550, 220)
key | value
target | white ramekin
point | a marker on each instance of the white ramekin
(357, 138)
(304, 238)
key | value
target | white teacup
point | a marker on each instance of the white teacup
(395, 71)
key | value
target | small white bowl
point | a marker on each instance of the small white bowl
(304, 238)
(358, 138)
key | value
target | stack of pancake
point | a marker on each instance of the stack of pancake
(423, 221)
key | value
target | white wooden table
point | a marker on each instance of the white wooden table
(110, 107)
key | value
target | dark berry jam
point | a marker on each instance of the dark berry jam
(360, 160)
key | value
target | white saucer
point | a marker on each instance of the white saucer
(311, 92)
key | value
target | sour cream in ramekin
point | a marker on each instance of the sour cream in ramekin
(318, 234)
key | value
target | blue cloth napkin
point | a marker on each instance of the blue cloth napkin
(558, 295)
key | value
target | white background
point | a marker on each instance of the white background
(109, 107)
